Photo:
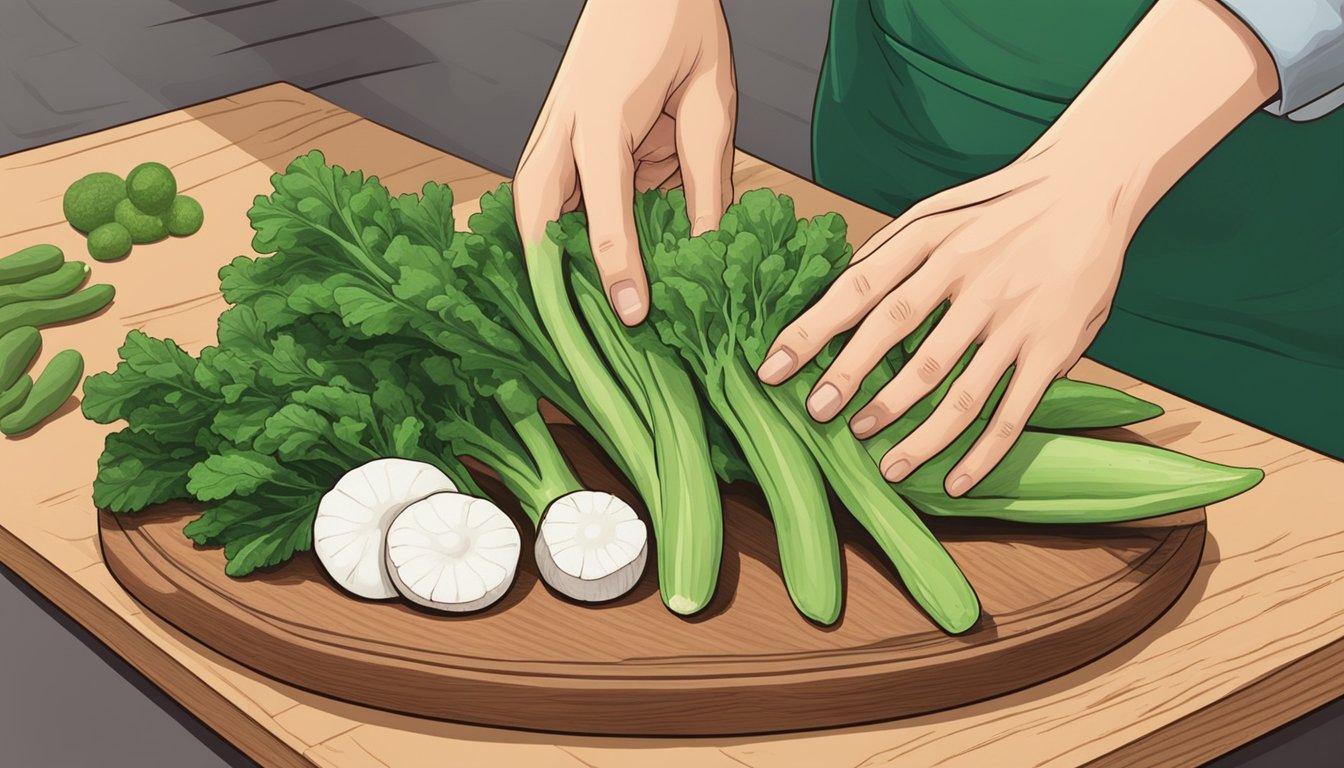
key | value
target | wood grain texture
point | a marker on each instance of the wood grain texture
(1053, 597)
(1254, 639)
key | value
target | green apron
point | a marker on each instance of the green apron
(1232, 293)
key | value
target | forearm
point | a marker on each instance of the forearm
(1187, 75)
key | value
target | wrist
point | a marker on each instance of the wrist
(1121, 185)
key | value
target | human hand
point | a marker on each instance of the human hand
(645, 97)
(1029, 258)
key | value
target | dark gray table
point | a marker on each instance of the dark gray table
(467, 76)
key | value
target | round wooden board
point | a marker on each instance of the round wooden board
(1053, 597)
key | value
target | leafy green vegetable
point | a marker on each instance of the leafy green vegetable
(722, 299)
(370, 328)
(683, 502)
(260, 426)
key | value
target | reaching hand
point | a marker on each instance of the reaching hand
(645, 97)
(1030, 264)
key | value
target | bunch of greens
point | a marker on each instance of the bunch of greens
(371, 328)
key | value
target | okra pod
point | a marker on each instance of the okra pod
(53, 285)
(49, 311)
(17, 350)
(12, 398)
(30, 262)
(53, 387)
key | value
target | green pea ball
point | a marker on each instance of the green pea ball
(184, 216)
(110, 241)
(151, 187)
(89, 202)
(144, 227)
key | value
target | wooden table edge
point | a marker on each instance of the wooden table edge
(1239, 718)
(193, 693)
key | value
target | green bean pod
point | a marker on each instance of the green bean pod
(49, 311)
(17, 350)
(56, 384)
(12, 398)
(53, 285)
(30, 262)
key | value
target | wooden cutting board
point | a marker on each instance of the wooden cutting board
(1053, 599)
(1255, 638)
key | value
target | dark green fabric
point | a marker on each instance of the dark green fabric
(1232, 293)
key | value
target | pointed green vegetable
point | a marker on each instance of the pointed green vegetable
(1071, 404)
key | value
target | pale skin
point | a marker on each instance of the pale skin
(1028, 257)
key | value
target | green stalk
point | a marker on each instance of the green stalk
(688, 525)
(929, 572)
(609, 404)
(809, 552)
(551, 478)
(689, 551)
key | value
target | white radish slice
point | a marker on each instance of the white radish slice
(591, 546)
(453, 552)
(353, 517)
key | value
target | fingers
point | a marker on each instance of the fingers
(607, 176)
(894, 318)
(855, 294)
(705, 118)
(542, 188)
(1024, 392)
(923, 372)
(953, 415)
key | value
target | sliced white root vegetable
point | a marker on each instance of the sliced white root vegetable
(353, 517)
(453, 552)
(591, 546)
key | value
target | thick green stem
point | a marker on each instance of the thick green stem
(929, 572)
(809, 552)
(609, 404)
(687, 519)
(552, 478)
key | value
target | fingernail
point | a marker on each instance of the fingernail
(824, 402)
(861, 425)
(959, 485)
(625, 298)
(897, 471)
(776, 367)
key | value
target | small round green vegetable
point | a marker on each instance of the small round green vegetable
(151, 187)
(110, 241)
(88, 203)
(12, 398)
(17, 350)
(184, 216)
(143, 227)
(49, 311)
(54, 386)
(33, 261)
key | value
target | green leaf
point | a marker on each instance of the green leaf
(428, 218)
(135, 471)
(292, 432)
(374, 315)
(221, 476)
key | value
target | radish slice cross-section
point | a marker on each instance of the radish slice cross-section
(353, 517)
(453, 552)
(591, 546)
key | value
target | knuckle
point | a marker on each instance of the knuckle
(963, 402)
(900, 311)
(856, 284)
(929, 369)
(607, 246)
(1006, 429)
